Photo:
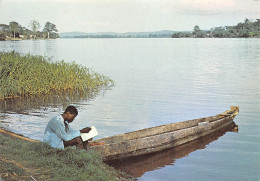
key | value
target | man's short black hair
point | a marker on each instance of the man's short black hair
(72, 110)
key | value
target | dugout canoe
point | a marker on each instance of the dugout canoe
(139, 165)
(159, 138)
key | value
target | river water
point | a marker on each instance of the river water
(158, 81)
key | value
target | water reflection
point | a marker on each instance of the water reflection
(49, 47)
(28, 116)
(137, 166)
(30, 105)
(161, 81)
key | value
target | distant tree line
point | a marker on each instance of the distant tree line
(16, 31)
(150, 35)
(246, 29)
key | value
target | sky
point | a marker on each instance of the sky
(129, 15)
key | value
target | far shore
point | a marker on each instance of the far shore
(20, 39)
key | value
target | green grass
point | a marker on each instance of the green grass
(23, 160)
(24, 75)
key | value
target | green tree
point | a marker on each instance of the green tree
(196, 31)
(14, 27)
(4, 30)
(50, 28)
(247, 23)
(257, 23)
(231, 31)
(2, 36)
(26, 33)
(219, 32)
(247, 28)
(35, 25)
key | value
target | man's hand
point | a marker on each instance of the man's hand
(85, 130)
(76, 141)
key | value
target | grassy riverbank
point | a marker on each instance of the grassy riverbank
(12, 39)
(25, 74)
(23, 160)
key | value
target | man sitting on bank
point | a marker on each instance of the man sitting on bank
(58, 132)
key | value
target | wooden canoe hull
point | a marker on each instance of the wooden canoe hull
(137, 166)
(162, 137)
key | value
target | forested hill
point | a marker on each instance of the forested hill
(246, 29)
(152, 34)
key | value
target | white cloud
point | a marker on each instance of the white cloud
(100, 24)
(205, 6)
(68, 1)
(129, 15)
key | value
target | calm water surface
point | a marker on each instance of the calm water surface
(159, 81)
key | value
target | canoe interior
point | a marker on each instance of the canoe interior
(162, 137)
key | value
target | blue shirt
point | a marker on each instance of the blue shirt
(55, 132)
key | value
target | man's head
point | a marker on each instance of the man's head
(70, 113)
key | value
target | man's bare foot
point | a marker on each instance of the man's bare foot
(96, 143)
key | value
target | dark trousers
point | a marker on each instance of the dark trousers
(77, 142)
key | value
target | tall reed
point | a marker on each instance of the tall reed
(25, 74)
